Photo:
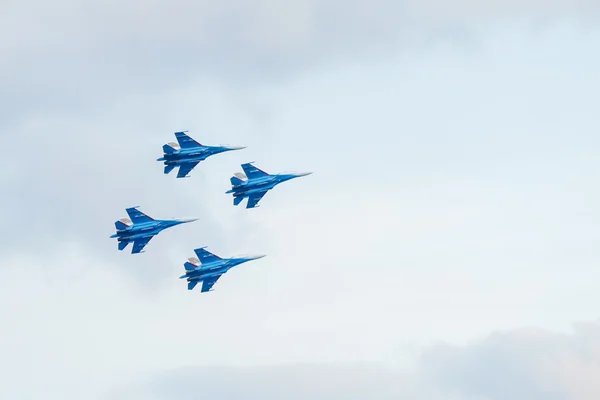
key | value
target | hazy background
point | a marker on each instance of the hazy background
(445, 247)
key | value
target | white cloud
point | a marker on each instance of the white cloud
(451, 194)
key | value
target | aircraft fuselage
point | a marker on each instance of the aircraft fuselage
(139, 231)
(258, 185)
(205, 273)
(192, 155)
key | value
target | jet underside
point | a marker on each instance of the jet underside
(186, 157)
(206, 272)
(253, 187)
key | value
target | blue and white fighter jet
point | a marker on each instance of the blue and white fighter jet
(208, 268)
(187, 153)
(140, 228)
(254, 183)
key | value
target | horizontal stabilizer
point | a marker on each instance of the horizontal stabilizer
(122, 245)
(169, 168)
(192, 284)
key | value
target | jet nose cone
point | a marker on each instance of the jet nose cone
(256, 257)
(236, 147)
(186, 220)
(299, 174)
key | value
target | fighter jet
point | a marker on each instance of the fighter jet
(254, 183)
(140, 228)
(187, 153)
(208, 268)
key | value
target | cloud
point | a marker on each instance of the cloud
(461, 9)
(450, 196)
(519, 364)
(334, 381)
(75, 56)
(78, 56)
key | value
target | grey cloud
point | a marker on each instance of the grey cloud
(458, 9)
(522, 364)
(319, 381)
(77, 55)
(84, 100)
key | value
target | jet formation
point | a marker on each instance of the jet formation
(186, 154)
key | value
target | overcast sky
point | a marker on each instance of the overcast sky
(445, 247)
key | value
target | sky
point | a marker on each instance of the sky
(443, 248)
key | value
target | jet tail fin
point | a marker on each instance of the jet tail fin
(189, 267)
(235, 181)
(170, 148)
(169, 168)
(122, 224)
(238, 178)
(122, 245)
(191, 264)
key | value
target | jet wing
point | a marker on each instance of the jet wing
(254, 198)
(252, 172)
(206, 256)
(139, 244)
(208, 283)
(185, 169)
(186, 142)
(138, 217)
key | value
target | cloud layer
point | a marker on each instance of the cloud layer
(520, 364)
(451, 196)
(79, 55)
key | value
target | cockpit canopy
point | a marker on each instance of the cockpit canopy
(194, 260)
